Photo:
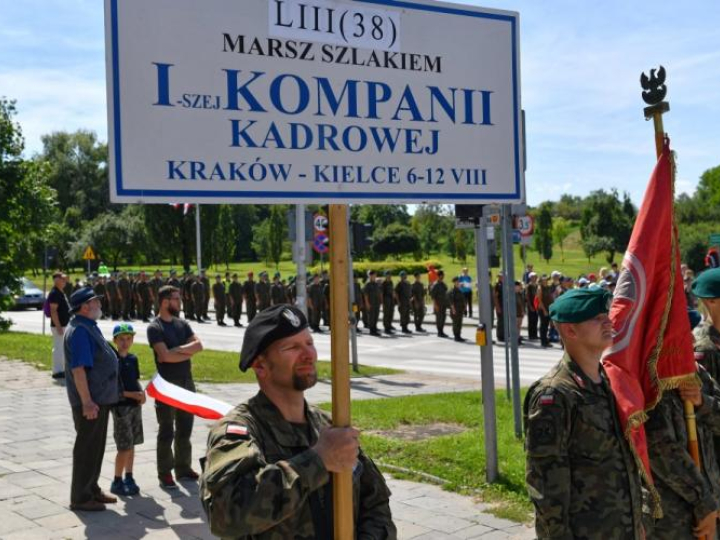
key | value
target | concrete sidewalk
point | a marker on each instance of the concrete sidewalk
(36, 439)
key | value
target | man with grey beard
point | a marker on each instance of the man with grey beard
(93, 387)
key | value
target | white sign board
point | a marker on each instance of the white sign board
(270, 101)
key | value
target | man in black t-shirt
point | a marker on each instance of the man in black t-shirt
(173, 343)
(59, 319)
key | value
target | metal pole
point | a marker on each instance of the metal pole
(505, 308)
(486, 353)
(300, 247)
(511, 333)
(197, 235)
(351, 299)
(44, 286)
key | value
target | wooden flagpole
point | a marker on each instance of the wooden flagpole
(340, 360)
(654, 93)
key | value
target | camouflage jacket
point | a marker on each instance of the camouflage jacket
(261, 480)
(707, 354)
(580, 474)
(687, 493)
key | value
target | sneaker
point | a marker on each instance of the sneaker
(119, 488)
(131, 487)
(58, 375)
(187, 475)
(167, 482)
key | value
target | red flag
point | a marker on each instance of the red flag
(652, 349)
(185, 400)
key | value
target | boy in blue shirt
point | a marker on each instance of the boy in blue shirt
(127, 414)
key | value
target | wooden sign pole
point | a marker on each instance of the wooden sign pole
(340, 359)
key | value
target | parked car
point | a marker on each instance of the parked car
(28, 297)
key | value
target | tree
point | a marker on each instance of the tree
(395, 240)
(170, 233)
(708, 189)
(113, 237)
(605, 225)
(225, 234)
(560, 232)
(430, 224)
(462, 240)
(569, 207)
(261, 240)
(277, 233)
(380, 215)
(544, 231)
(27, 203)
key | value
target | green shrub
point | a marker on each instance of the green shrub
(360, 269)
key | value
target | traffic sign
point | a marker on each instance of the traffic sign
(89, 254)
(321, 244)
(320, 223)
(525, 224)
(346, 112)
(715, 239)
(516, 236)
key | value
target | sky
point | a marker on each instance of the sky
(580, 68)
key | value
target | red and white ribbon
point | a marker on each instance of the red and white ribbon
(185, 400)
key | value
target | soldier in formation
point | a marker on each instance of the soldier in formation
(277, 291)
(249, 296)
(218, 291)
(418, 302)
(262, 292)
(403, 298)
(372, 297)
(456, 301)
(235, 298)
(316, 299)
(388, 302)
(438, 293)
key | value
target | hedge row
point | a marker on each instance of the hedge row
(360, 269)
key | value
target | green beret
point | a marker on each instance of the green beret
(707, 284)
(580, 305)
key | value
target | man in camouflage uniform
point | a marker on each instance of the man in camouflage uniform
(173, 280)
(403, 297)
(113, 297)
(144, 296)
(100, 289)
(388, 302)
(277, 291)
(580, 473)
(236, 299)
(188, 302)
(249, 296)
(262, 292)
(197, 290)
(125, 294)
(438, 293)
(457, 302)
(218, 291)
(266, 474)
(707, 336)
(546, 297)
(315, 301)
(372, 297)
(206, 294)
(418, 303)
(690, 496)
(155, 283)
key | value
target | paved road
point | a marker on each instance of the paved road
(36, 438)
(419, 353)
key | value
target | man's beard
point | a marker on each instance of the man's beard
(95, 314)
(303, 382)
(173, 311)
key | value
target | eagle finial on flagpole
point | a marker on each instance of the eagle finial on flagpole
(654, 92)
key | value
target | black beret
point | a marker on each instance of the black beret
(268, 326)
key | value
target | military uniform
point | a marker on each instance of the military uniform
(418, 304)
(262, 293)
(112, 297)
(188, 303)
(145, 297)
(372, 297)
(531, 291)
(456, 300)
(250, 298)
(197, 289)
(262, 481)
(688, 494)
(218, 291)
(707, 354)
(317, 299)
(101, 290)
(206, 297)
(388, 303)
(277, 294)
(581, 475)
(438, 293)
(236, 300)
(403, 293)
(155, 284)
(125, 297)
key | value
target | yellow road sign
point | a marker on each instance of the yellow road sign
(89, 254)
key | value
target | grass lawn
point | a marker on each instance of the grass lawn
(459, 458)
(208, 366)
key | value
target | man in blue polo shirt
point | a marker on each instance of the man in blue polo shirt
(466, 288)
(93, 387)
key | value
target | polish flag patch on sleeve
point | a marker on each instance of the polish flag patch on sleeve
(547, 399)
(236, 429)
